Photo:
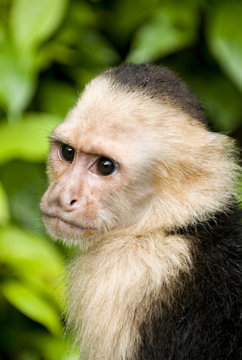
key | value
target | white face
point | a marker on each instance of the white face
(122, 159)
(96, 172)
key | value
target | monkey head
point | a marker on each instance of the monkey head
(133, 152)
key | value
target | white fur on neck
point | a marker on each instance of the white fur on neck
(112, 285)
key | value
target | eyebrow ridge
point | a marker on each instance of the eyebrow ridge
(59, 139)
(90, 150)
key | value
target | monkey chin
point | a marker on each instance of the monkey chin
(70, 234)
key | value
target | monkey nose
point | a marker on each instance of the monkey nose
(69, 205)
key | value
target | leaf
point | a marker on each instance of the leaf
(80, 14)
(30, 251)
(97, 50)
(34, 260)
(224, 35)
(221, 100)
(125, 17)
(37, 264)
(172, 28)
(17, 80)
(32, 22)
(57, 97)
(56, 349)
(25, 192)
(27, 139)
(2, 33)
(4, 211)
(32, 305)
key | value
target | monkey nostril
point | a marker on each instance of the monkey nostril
(73, 202)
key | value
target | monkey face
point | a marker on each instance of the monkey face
(97, 180)
(90, 192)
(124, 159)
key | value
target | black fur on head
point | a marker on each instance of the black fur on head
(157, 82)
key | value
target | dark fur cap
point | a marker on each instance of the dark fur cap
(157, 82)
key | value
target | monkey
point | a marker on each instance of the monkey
(149, 196)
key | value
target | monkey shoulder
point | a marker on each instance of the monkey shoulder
(204, 319)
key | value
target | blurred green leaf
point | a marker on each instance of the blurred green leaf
(224, 34)
(2, 34)
(17, 80)
(54, 349)
(96, 49)
(24, 191)
(171, 29)
(32, 305)
(220, 99)
(30, 251)
(80, 15)
(32, 22)
(27, 139)
(89, 50)
(51, 288)
(125, 16)
(57, 97)
(33, 260)
(4, 211)
(65, 46)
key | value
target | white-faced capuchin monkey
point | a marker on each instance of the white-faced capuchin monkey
(148, 193)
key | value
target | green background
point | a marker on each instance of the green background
(49, 49)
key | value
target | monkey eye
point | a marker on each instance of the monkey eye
(105, 166)
(67, 153)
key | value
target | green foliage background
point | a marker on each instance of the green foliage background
(48, 51)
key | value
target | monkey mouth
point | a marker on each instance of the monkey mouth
(71, 225)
